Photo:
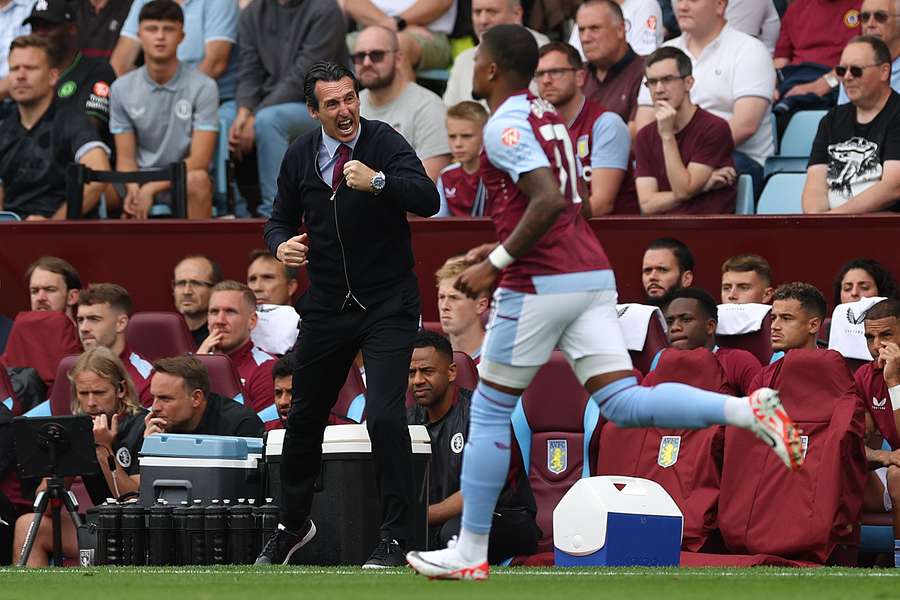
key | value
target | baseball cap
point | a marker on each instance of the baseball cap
(51, 11)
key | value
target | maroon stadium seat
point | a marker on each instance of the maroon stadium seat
(156, 335)
(687, 463)
(811, 514)
(433, 326)
(466, 371)
(223, 377)
(8, 395)
(39, 340)
(758, 343)
(347, 408)
(549, 425)
(61, 393)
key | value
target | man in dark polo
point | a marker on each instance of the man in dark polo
(351, 183)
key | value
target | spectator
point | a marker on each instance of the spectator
(84, 81)
(692, 316)
(668, 265)
(600, 137)
(12, 25)
(758, 18)
(734, 80)
(643, 25)
(283, 382)
(417, 113)
(279, 42)
(98, 23)
(182, 403)
(461, 317)
(485, 14)
(193, 278)
(746, 278)
(102, 318)
(797, 313)
(854, 166)
(462, 192)
(232, 316)
(615, 70)
(443, 408)
(863, 278)
(39, 139)
(422, 28)
(164, 113)
(270, 280)
(53, 285)
(879, 18)
(102, 390)
(684, 164)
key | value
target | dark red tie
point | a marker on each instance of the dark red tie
(343, 153)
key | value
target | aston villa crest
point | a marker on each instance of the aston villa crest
(668, 451)
(557, 456)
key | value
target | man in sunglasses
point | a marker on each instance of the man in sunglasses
(854, 166)
(881, 18)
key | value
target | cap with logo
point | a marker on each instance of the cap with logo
(56, 12)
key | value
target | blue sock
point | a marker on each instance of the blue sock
(486, 458)
(672, 405)
(897, 553)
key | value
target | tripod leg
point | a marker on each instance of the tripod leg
(40, 505)
(72, 506)
(55, 514)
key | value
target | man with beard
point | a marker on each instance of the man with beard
(668, 265)
(415, 112)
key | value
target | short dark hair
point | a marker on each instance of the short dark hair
(325, 71)
(682, 60)
(289, 272)
(883, 278)
(884, 309)
(431, 339)
(809, 297)
(513, 49)
(881, 50)
(58, 266)
(612, 5)
(161, 10)
(682, 253)
(106, 293)
(747, 263)
(568, 50)
(707, 303)
(284, 367)
(189, 368)
(214, 268)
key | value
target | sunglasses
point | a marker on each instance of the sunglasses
(376, 56)
(880, 16)
(855, 70)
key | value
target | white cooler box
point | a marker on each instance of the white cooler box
(179, 467)
(617, 521)
(346, 506)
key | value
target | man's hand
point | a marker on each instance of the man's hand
(294, 252)
(889, 360)
(477, 279)
(105, 431)
(137, 203)
(720, 178)
(211, 344)
(35, 218)
(242, 134)
(479, 253)
(819, 87)
(665, 119)
(358, 176)
(153, 423)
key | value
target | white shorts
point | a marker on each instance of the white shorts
(524, 329)
(882, 476)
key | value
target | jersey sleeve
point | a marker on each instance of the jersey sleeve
(220, 21)
(819, 153)
(611, 142)
(511, 146)
(444, 210)
(130, 26)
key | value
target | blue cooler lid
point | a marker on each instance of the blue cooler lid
(200, 446)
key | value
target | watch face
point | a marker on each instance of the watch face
(378, 181)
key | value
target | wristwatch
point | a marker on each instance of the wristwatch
(377, 183)
(401, 23)
(831, 80)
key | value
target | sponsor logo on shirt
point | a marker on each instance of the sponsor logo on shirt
(457, 443)
(510, 137)
(41, 5)
(557, 456)
(539, 107)
(651, 22)
(854, 319)
(114, 25)
(137, 112)
(123, 457)
(668, 451)
(851, 18)
(879, 404)
(67, 89)
(450, 192)
(101, 88)
(183, 109)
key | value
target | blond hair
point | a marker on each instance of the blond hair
(104, 363)
(467, 110)
(230, 285)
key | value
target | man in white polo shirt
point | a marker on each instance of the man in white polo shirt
(734, 80)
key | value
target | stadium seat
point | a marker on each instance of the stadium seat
(811, 514)
(796, 144)
(644, 329)
(156, 335)
(746, 327)
(60, 395)
(223, 377)
(782, 195)
(433, 326)
(351, 403)
(5, 215)
(466, 371)
(39, 339)
(745, 201)
(555, 424)
(8, 395)
(687, 463)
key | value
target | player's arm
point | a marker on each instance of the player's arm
(446, 509)
(544, 206)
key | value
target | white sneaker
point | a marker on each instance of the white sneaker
(773, 426)
(446, 564)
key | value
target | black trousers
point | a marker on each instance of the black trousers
(328, 342)
(514, 532)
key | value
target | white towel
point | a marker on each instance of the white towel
(635, 321)
(276, 328)
(737, 319)
(848, 331)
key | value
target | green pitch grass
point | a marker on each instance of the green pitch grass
(275, 583)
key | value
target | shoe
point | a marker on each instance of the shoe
(283, 543)
(447, 564)
(388, 553)
(773, 426)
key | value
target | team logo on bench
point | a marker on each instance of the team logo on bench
(557, 456)
(668, 451)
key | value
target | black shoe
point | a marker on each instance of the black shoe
(283, 543)
(388, 553)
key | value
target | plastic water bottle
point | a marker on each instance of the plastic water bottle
(182, 540)
(267, 520)
(109, 541)
(214, 523)
(133, 529)
(243, 535)
(196, 538)
(160, 534)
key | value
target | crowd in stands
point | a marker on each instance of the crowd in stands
(669, 103)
